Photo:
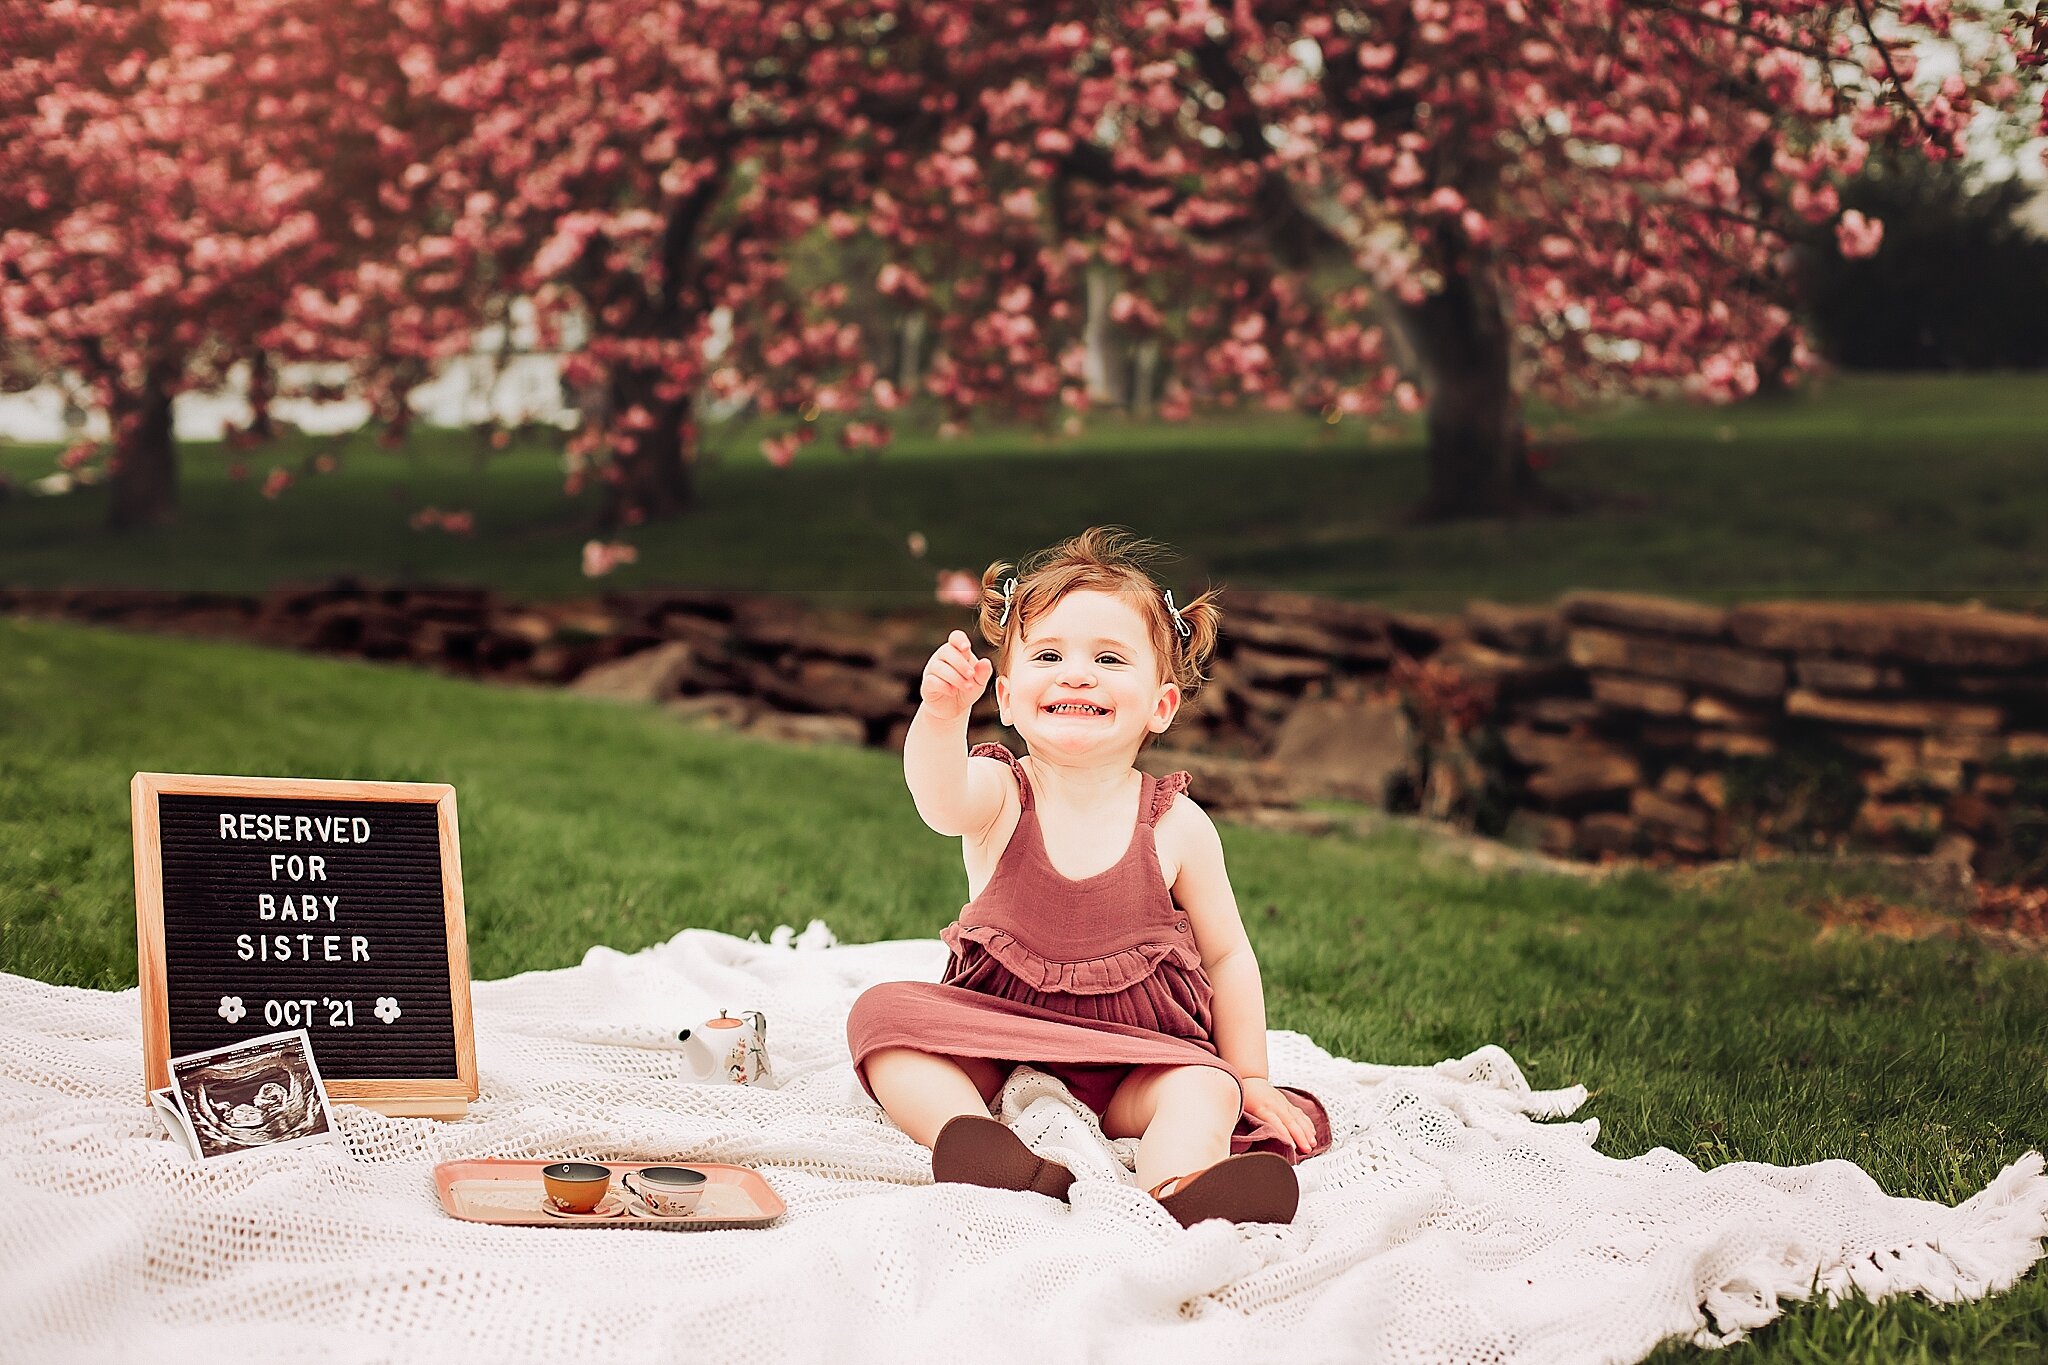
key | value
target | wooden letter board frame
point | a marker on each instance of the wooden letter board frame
(418, 1096)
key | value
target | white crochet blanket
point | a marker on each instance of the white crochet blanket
(1447, 1223)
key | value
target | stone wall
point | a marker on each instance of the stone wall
(1603, 725)
(1705, 731)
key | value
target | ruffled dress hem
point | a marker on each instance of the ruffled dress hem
(1090, 1058)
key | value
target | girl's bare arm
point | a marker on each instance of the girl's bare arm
(953, 794)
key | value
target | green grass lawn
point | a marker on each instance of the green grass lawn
(1909, 486)
(1715, 1024)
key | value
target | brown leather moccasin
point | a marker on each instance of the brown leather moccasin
(1251, 1187)
(981, 1151)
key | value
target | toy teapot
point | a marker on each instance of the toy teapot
(727, 1051)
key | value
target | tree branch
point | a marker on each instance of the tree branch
(1884, 50)
(1744, 30)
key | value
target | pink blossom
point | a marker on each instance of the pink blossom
(276, 483)
(958, 588)
(600, 558)
(454, 523)
(897, 282)
(864, 436)
(1934, 14)
(1132, 310)
(569, 241)
(1858, 236)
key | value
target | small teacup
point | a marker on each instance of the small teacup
(666, 1190)
(576, 1186)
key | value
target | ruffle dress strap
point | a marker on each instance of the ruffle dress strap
(999, 752)
(1163, 792)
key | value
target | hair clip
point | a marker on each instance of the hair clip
(1009, 586)
(1182, 626)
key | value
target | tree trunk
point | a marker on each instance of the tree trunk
(909, 358)
(1478, 454)
(262, 393)
(143, 484)
(1773, 365)
(658, 477)
(1103, 370)
(1144, 373)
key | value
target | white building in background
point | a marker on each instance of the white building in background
(518, 387)
(473, 389)
(513, 385)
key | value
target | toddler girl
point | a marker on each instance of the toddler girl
(1127, 977)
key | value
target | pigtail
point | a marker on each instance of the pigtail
(1192, 652)
(992, 604)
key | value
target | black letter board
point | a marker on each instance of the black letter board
(264, 904)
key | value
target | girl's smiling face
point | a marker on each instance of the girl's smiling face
(1085, 679)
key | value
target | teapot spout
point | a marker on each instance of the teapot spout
(698, 1057)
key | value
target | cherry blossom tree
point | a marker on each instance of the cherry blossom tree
(638, 170)
(176, 170)
(1405, 204)
(1295, 206)
(2028, 33)
(1302, 203)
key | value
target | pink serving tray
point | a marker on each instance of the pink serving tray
(511, 1193)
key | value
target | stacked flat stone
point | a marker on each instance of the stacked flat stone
(1620, 717)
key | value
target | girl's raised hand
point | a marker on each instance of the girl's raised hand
(954, 678)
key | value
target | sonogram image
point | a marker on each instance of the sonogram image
(254, 1094)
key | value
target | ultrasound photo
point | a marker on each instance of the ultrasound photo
(264, 1092)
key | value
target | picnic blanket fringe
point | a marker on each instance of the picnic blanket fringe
(1986, 1244)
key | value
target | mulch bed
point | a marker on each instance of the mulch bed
(2011, 917)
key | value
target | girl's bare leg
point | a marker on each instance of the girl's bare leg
(922, 1090)
(1186, 1114)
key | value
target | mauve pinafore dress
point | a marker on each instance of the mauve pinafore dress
(1126, 988)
